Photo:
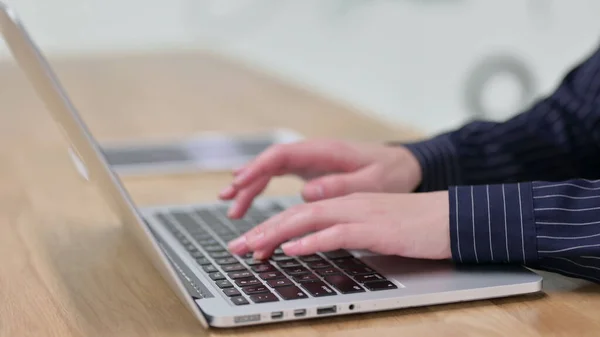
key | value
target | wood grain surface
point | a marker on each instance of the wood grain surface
(69, 269)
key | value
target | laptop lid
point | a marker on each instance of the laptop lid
(85, 150)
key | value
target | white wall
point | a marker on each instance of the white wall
(404, 60)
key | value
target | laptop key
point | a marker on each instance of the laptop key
(311, 258)
(214, 248)
(291, 293)
(368, 278)
(209, 268)
(318, 289)
(233, 267)
(208, 242)
(203, 261)
(295, 270)
(240, 274)
(380, 285)
(271, 275)
(338, 254)
(239, 300)
(288, 264)
(306, 278)
(216, 276)
(280, 258)
(347, 263)
(328, 271)
(219, 255)
(279, 283)
(359, 271)
(231, 292)
(319, 264)
(226, 260)
(253, 262)
(247, 282)
(263, 268)
(263, 298)
(251, 290)
(197, 255)
(224, 284)
(344, 284)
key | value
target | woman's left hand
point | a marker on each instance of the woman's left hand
(409, 225)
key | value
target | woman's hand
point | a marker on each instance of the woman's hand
(409, 225)
(331, 168)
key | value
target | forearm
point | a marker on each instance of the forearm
(547, 225)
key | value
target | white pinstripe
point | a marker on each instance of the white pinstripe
(473, 219)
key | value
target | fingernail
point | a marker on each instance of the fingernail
(237, 244)
(315, 192)
(258, 256)
(227, 191)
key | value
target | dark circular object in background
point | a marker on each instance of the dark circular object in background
(486, 70)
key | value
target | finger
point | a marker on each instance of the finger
(289, 157)
(340, 236)
(245, 197)
(338, 185)
(299, 221)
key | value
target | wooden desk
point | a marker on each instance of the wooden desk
(67, 267)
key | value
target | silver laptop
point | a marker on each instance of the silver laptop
(187, 244)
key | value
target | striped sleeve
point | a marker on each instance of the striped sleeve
(552, 226)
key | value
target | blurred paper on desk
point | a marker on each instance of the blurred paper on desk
(200, 153)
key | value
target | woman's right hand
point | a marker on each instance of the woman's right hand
(331, 169)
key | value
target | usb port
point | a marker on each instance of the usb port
(277, 315)
(326, 310)
(300, 312)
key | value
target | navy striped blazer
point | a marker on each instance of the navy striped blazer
(526, 190)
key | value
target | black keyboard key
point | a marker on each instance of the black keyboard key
(348, 263)
(228, 237)
(214, 248)
(209, 268)
(231, 292)
(208, 242)
(233, 267)
(344, 284)
(359, 271)
(203, 261)
(226, 260)
(197, 255)
(247, 255)
(240, 274)
(252, 281)
(318, 289)
(328, 271)
(263, 298)
(306, 278)
(291, 293)
(280, 258)
(219, 255)
(224, 284)
(253, 262)
(216, 276)
(319, 264)
(295, 270)
(239, 300)
(258, 289)
(311, 258)
(288, 264)
(184, 241)
(380, 285)
(278, 251)
(263, 268)
(191, 248)
(271, 275)
(282, 282)
(368, 278)
(338, 254)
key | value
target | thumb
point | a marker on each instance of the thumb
(337, 185)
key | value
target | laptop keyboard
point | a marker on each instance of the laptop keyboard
(204, 233)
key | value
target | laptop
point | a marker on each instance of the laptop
(187, 243)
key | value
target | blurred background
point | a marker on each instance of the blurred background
(431, 64)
